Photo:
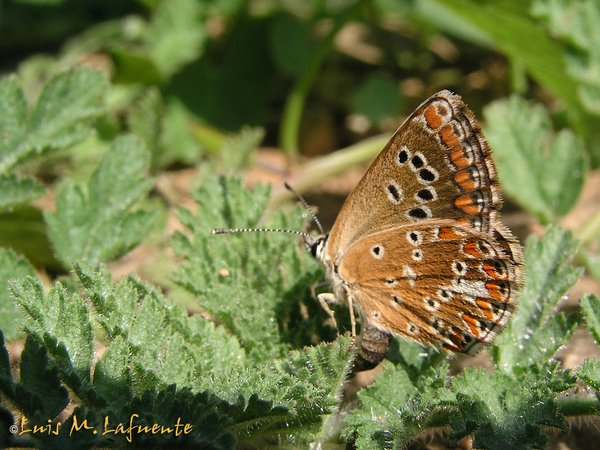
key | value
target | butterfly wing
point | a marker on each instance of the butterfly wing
(435, 282)
(437, 165)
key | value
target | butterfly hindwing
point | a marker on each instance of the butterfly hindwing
(435, 282)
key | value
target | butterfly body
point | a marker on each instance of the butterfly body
(418, 246)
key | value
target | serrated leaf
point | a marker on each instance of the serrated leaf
(534, 333)
(228, 272)
(162, 345)
(237, 150)
(61, 316)
(179, 143)
(15, 190)
(590, 304)
(61, 117)
(146, 120)
(12, 266)
(176, 34)
(589, 372)
(94, 222)
(39, 392)
(542, 171)
(394, 408)
(503, 411)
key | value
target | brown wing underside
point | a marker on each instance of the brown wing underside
(436, 165)
(435, 282)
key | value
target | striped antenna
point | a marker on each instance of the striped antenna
(314, 216)
(258, 230)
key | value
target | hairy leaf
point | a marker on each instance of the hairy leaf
(60, 316)
(542, 171)
(61, 117)
(590, 304)
(15, 189)
(535, 333)
(176, 34)
(255, 284)
(95, 222)
(12, 267)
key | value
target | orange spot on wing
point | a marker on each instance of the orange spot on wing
(433, 118)
(465, 203)
(448, 136)
(498, 290)
(472, 249)
(486, 308)
(464, 180)
(448, 233)
(458, 158)
(491, 271)
(472, 323)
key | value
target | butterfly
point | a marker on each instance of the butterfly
(418, 247)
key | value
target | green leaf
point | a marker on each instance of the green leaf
(228, 272)
(237, 150)
(23, 229)
(499, 410)
(146, 120)
(504, 411)
(15, 190)
(291, 44)
(590, 304)
(394, 408)
(179, 143)
(376, 98)
(12, 266)
(161, 345)
(534, 332)
(176, 34)
(576, 22)
(60, 316)
(95, 222)
(39, 392)
(62, 116)
(589, 372)
(512, 32)
(542, 171)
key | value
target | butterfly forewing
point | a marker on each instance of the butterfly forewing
(434, 282)
(436, 166)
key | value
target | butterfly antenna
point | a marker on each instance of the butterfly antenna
(306, 206)
(258, 230)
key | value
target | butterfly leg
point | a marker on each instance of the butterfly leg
(352, 317)
(324, 300)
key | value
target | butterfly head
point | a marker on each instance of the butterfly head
(316, 246)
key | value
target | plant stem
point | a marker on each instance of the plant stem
(294, 107)
(589, 230)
